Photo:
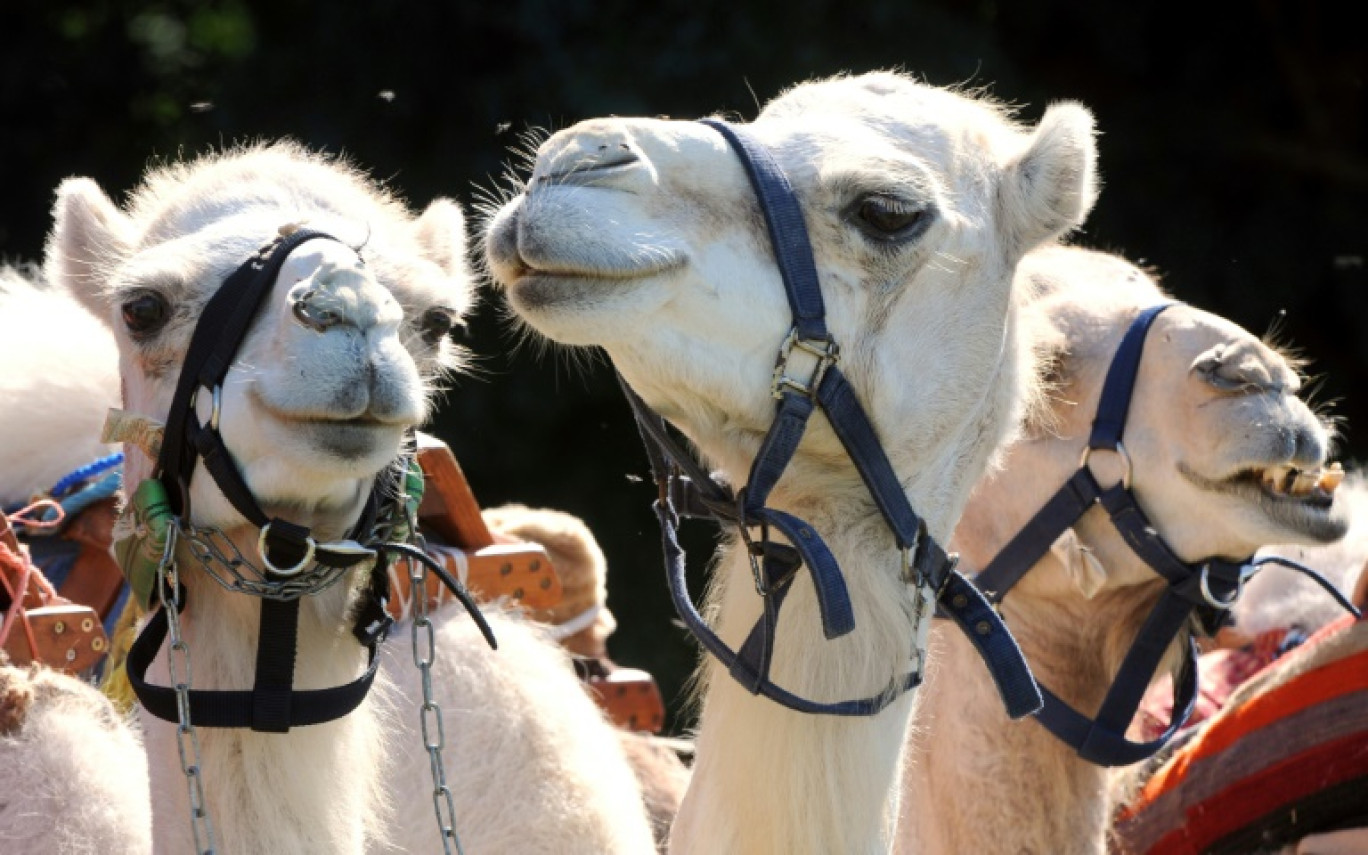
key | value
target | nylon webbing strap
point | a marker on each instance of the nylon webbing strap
(241, 708)
(217, 336)
(787, 230)
(1112, 407)
(275, 665)
(1030, 544)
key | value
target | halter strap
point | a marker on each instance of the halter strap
(1205, 589)
(687, 489)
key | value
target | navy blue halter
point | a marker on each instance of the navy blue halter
(1206, 589)
(686, 489)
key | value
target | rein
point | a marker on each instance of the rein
(295, 563)
(1205, 589)
(686, 489)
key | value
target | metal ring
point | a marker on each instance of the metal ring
(1125, 458)
(216, 406)
(1214, 601)
(309, 544)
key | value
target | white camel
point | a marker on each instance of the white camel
(644, 237)
(313, 408)
(1225, 456)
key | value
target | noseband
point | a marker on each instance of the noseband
(294, 563)
(1204, 589)
(686, 489)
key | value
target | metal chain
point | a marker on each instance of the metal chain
(430, 711)
(178, 654)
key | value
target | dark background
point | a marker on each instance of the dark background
(1234, 149)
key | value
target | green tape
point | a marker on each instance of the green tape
(140, 553)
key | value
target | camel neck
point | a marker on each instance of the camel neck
(768, 779)
(971, 799)
(220, 628)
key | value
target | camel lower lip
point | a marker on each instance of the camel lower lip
(538, 289)
(1316, 516)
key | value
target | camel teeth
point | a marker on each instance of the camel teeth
(1273, 478)
(1331, 478)
(1304, 483)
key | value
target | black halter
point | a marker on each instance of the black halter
(1207, 588)
(687, 489)
(286, 549)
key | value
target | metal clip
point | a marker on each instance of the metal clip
(826, 351)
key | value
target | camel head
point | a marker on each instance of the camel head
(341, 357)
(645, 237)
(1225, 455)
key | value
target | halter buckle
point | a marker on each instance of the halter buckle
(309, 546)
(1120, 450)
(826, 352)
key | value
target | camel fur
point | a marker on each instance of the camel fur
(976, 782)
(69, 350)
(310, 418)
(644, 237)
(56, 730)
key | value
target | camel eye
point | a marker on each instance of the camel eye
(145, 313)
(438, 322)
(886, 218)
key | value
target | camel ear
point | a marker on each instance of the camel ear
(1050, 188)
(1082, 567)
(441, 233)
(89, 234)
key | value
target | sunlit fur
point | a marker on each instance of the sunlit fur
(67, 348)
(667, 266)
(73, 776)
(976, 782)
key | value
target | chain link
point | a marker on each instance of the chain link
(178, 661)
(429, 711)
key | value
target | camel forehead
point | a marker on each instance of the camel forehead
(902, 110)
(277, 181)
(1192, 332)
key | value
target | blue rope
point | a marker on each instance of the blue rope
(85, 473)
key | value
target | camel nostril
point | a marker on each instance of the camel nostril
(603, 148)
(312, 316)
